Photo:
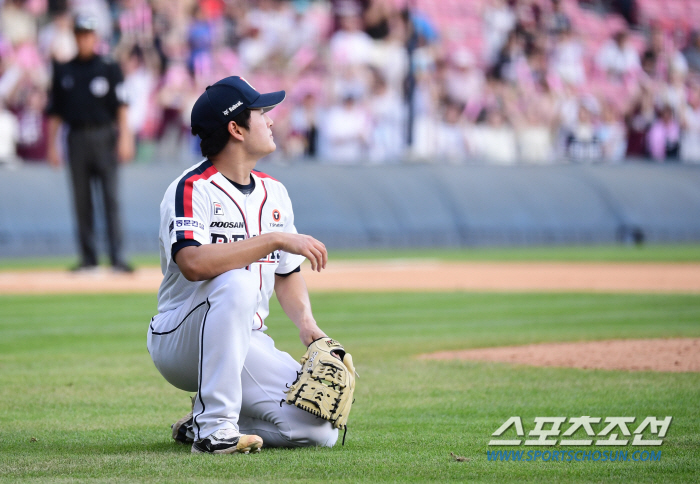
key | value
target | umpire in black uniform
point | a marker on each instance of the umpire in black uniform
(87, 94)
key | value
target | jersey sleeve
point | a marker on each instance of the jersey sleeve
(120, 96)
(187, 215)
(53, 107)
(289, 262)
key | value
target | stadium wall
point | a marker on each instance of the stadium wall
(397, 206)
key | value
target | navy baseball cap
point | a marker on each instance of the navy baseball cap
(222, 101)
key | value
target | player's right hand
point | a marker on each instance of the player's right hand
(305, 245)
(54, 157)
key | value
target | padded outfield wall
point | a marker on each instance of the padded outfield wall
(397, 206)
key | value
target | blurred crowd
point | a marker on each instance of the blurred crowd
(380, 81)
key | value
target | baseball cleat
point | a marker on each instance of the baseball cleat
(182, 429)
(227, 441)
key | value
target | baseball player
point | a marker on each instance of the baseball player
(227, 241)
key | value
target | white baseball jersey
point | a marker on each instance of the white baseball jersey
(204, 207)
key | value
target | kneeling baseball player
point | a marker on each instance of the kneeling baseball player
(227, 240)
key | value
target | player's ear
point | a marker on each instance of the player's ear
(235, 130)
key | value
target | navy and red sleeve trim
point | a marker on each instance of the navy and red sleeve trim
(298, 269)
(181, 244)
(183, 194)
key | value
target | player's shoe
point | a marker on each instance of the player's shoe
(228, 441)
(122, 268)
(182, 429)
(84, 268)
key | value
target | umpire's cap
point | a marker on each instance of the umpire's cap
(227, 98)
(83, 22)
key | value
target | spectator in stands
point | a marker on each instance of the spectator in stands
(568, 59)
(56, 40)
(390, 55)
(450, 133)
(273, 20)
(200, 39)
(173, 98)
(626, 8)
(534, 121)
(135, 21)
(11, 75)
(17, 25)
(351, 45)
(512, 54)
(692, 52)
(618, 58)
(388, 122)
(494, 140)
(376, 17)
(32, 126)
(464, 82)
(690, 124)
(345, 132)
(534, 74)
(529, 43)
(638, 120)
(668, 57)
(304, 127)
(612, 134)
(557, 21)
(582, 141)
(499, 20)
(663, 139)
(648, 66)
(139, 83)
(9, 135)
(674, 92)
(529, 16)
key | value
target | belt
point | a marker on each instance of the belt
(90, 126)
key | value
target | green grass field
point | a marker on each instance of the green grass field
(601, 253)
(80, 399)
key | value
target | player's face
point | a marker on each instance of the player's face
(259, 141)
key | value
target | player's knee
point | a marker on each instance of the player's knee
(320, 435)
(239, 289)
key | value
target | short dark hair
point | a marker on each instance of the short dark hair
(215, 142)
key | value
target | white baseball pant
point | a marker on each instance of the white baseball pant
(208, 346)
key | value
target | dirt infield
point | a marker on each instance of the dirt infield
(674, 355)
(406, 276)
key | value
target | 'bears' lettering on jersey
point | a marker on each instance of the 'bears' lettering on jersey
(224, 239)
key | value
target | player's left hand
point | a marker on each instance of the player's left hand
(326, 383)
(310, 334)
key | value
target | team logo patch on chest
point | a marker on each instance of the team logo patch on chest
(218, 209)
(99, 86)
(67, 82)
(277, 217)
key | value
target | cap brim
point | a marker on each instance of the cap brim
(268, 101)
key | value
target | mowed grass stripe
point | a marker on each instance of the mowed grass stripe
(535, 317)
(75, 374)
(589, 253)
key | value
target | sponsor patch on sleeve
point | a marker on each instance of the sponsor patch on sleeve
(185, 223)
